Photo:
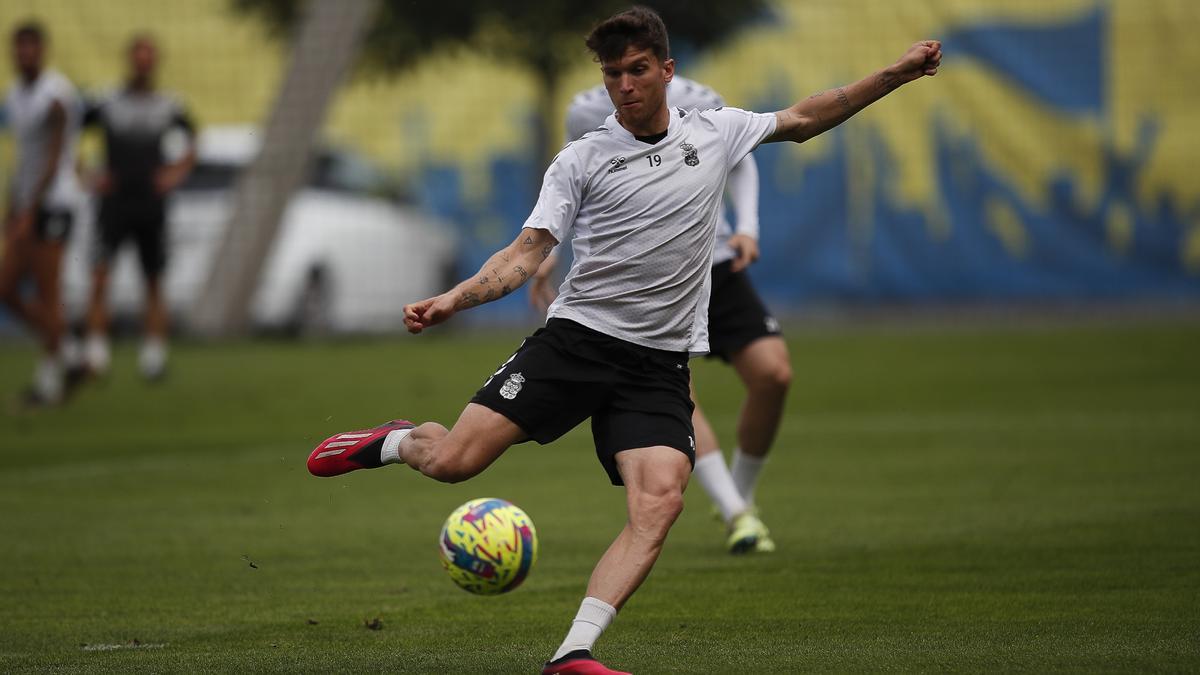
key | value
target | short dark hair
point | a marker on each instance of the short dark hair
(29, 29)
(639, 27)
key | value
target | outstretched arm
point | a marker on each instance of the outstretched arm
(502, 274)
(743, 195)
(821, 112)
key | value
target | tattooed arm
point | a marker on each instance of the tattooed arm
(821, 112)
(502, 274)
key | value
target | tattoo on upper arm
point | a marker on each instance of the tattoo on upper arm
(546, 250)
(843, 99)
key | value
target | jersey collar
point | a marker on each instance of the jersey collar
(674, 115)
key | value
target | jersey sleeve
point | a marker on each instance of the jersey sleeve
(558, 202)
(742, 187)
(741, 130)
(60, 89)
(181, 118)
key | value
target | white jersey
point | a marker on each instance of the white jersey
(590, 107)
(28, 106)
(641, 220)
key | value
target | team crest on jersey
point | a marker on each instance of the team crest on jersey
(512, 386)
(690, 157)
(617, 164)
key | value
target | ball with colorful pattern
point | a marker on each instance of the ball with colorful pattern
(488, 546)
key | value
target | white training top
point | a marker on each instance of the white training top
(590, 107)
(641, 220)
(28, 107)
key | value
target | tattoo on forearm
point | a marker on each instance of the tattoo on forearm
(546, 250)
(528, 241)
(843, 99)
(886, 81)
(469, 300)
(521, 270)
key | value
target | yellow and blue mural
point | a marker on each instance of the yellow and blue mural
(1048, 160)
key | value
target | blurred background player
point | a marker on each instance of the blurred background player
(741, 330)
(133, 189)
(43, 111)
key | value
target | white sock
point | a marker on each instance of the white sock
(153, 358)
(593, 617)
(48, 378)
(390, 454)
(745, 473)
(96, 354)
(714, 475)
(71, 349)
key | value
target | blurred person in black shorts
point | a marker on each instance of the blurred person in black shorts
(133, 189)
(43, 112)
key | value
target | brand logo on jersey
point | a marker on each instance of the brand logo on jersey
(690, 157)
(617, 164)
(512, 386)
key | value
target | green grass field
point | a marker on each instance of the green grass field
(967, 499)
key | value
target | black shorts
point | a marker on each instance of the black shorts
(736, 315)
(53, 224)
(143, 221)
(565, 373)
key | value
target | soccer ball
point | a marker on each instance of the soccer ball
(488, 546)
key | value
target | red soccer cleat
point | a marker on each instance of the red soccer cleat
(579, 662)
(352, 450)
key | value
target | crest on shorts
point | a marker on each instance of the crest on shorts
(690, 157)
(512, 386)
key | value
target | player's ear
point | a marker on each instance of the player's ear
(668, 67)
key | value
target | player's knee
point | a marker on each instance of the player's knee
(774, 379)
(654, 513)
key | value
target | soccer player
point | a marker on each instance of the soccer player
(741, 330)
(133, 191)
(43, 111)
(637, 200)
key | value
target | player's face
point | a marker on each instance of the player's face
(143, 57)
(27, 55)
(637, 83)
